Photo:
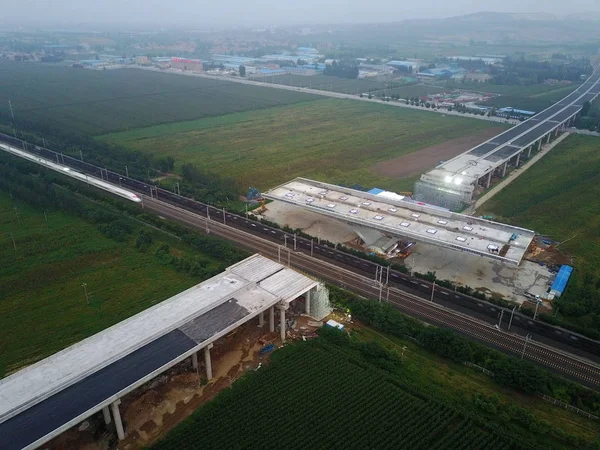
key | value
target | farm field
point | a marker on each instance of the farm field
(331, 140)
(349, 86)
(514, 90)
(559, 196)
(332, 395)
(43, 307)
(530, 100)
(97, 102)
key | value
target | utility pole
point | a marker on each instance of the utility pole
(120, 185)
(87, 299)
(511, 317)
(11, 111)
(387, 276)
(285, 240)
(527, 339)
(537, 305)
(294, 241)
(14, 243)
(500, 319)
(311, 247)
(80, 154)
(178, 190)
(279, 253)
(432, 290)
(289, 257)
(126, 171)
(246, 210)
(224, 216)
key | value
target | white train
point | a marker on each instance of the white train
(109, 187)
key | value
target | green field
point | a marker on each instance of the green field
(317, 394)
(529, 90)
(559, 196)
(97, 102)
(350, 86)
(43, 307)
(531, 98)
(340, 392)
(331, 140)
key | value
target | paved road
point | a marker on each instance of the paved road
(567, 364)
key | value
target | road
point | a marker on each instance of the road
(562, 362)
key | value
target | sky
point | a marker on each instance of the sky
(267, 12)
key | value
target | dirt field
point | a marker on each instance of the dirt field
(429, 157)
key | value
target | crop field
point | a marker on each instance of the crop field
(559, 196)
(97, 102)
(535, 101)
(331, 140)
(43, 306)
(530, 90)
(319, 395)
(350, 86)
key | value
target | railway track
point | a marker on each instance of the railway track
(562, 362)
(347, 271)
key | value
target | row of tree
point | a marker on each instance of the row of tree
(508, 371)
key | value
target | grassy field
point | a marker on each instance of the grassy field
(330, 140)
(359, 393)
(529, 97)
(559, 196)
(43, 306)
(349, 86)
(530, 90)
(97, 102)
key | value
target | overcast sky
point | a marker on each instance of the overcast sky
(251, 12)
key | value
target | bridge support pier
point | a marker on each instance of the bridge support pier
(282, 309)
(106, 415)
(548, 138)
(208, 362)
(261, 319)
(504, 169)
(489, 180)
(118, 422)
(529, 151)
(272, 319)
(539, 145)
(195, 360)
(518, 159)
(307, 305)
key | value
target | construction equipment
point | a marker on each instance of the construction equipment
(262, 208)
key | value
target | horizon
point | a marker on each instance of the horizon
(266, 13)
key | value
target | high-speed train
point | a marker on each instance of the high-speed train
(93, 181)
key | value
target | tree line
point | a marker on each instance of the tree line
(508, 371)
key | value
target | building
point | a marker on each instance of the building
(193, 65)
(476, 77)
(413, 66)
(142, 60)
